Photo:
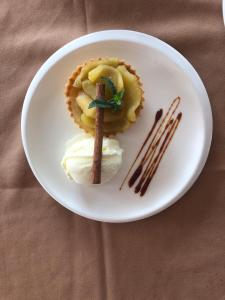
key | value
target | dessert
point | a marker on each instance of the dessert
(78, 158)
(104, 97)
(121, 81)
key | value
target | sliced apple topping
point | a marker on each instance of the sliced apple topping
(113, 61)
(133, 92)
(123, 95)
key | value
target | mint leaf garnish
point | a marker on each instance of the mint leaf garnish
(100, 103)
(117, 98)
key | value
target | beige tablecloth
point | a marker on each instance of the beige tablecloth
(47, 252)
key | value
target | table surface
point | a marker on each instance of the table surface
(48, 252)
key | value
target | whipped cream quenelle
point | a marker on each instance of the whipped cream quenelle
(78, 158)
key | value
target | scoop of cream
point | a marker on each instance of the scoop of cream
(78, 158)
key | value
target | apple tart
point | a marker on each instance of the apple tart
(81, 91)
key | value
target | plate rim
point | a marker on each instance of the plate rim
(140, 38)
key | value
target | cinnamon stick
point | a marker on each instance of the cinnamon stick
(97, 160)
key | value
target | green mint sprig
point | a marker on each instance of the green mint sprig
(114, 103)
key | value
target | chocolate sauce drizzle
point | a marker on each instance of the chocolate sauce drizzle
(157, 141)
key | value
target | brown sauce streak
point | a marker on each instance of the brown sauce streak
(158, 116)
(151, 159)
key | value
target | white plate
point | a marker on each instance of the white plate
(165, 74)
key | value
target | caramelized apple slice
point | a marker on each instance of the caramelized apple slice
(83, 101)
(106, 71)
(133, 94)
(89, 88)
(112, 61)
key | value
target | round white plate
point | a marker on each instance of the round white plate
(165, 73)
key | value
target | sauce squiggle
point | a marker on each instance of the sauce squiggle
(157, 141)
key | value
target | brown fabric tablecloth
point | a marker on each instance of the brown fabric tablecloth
(47, 252)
